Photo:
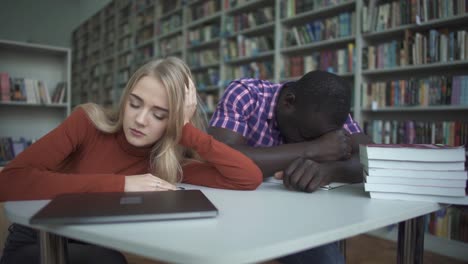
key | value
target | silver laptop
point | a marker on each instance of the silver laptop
(92, 208)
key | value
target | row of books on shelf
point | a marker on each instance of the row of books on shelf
(125, 43)
(168, 25)
(10, 148)
(234, 3)
(203, 34)
(418, 48)
(434, 90)
(339, 61)
(453, 133)
(387, 15)
(258, 70)
(144, 35)
(30, 91)
(170, 5)
(290, 8)
(419, 172)
(206, 79)
(243, 46)
(335, 27)
(249, 20)
(450, 223)
(203, 9)
(144, 53)
(170, 45)
(144, 19)
(203, 58)
(380, 16)
(209, 102)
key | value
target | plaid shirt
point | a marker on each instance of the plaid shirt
(248, 108)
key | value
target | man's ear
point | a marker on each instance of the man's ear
(290, 100)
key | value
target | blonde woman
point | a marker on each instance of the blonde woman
(154, 140)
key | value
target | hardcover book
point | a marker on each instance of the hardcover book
(413, 165)
(413, 152)
(415, 189)
(417, 174)
(415, 181)
(422, 198)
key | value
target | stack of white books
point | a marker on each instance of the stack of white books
(415, 172)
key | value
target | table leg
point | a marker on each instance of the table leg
(411, 241)
(53, 248)
(342, 247)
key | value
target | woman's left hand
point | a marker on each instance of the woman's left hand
(190, 101)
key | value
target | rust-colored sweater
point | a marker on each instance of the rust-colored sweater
(76, 157)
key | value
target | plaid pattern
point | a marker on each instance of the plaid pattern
(247, 107)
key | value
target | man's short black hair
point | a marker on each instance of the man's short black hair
(321, 91)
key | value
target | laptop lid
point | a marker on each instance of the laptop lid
(114, 207)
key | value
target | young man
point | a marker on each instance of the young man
(300, 131)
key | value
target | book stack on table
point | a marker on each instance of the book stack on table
(415, 172)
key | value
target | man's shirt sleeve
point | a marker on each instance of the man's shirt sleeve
(351, 126)
(234, 109)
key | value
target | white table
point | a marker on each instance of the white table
(252, 226)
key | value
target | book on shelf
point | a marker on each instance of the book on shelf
(24, 90)
(5, 87)
(412, 131)
(413, 152)
(10, 148)
(60, 93)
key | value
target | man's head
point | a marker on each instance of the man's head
(317, 103)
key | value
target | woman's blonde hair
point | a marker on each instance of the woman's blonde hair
(166, 155)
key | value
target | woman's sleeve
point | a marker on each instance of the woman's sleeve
(34, 173)
(224, 168)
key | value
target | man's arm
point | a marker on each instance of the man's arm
(308, 175)
(347, 170)
(274, 159)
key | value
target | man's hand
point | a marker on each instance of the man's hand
(304, 175)
(333, 146)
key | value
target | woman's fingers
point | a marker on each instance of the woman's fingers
(161, 184)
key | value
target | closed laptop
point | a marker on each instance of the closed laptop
(92, 208)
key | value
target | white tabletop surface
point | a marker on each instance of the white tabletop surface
(252, 226)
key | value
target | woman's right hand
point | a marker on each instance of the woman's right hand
(190, 101)
(145, 183)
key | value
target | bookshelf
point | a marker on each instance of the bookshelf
(30, 114)
(414, 68)
(277, 40)
(203, 20)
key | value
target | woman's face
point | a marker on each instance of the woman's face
(146, 113)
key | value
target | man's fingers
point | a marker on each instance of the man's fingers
(314, 183)
(289, 171)
(298, 174)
